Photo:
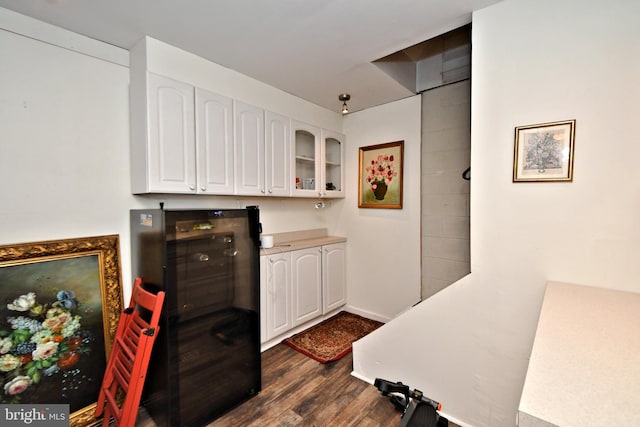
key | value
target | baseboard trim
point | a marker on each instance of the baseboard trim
(367, 314)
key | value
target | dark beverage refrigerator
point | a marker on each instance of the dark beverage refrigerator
(206, 359)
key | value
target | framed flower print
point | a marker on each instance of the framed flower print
(380, 176)
(544, 152)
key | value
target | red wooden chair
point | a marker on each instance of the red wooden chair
(129, 359)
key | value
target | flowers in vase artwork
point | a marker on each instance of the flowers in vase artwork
(380, 173)
(380, 176)
(39, 340)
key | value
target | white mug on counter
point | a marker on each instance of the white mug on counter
(266, 241)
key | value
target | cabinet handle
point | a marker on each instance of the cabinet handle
(270, 191)
(192, 187)
(203, 188)
(262, 191)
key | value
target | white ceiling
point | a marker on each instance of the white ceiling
(314, 49)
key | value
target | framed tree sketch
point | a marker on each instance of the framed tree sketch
(61, 301)
(380, 176)
(544, 152)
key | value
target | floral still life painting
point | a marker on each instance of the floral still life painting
(544, 152)
(54, 330)
(380, 177)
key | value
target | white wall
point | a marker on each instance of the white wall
(63, 144)
(64, 141)
(383, 247)
(533, 61)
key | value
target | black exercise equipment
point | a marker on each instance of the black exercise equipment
(417, 409)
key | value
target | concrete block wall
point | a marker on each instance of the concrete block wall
(446, 147)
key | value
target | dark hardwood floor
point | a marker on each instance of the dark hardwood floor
(298, 391)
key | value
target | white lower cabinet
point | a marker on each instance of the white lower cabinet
(306, 286)
(299, 286)
(334, 285)
(275, 294)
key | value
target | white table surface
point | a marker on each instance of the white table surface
(585, 362)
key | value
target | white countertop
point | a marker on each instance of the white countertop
(293, 241)
(584, 368)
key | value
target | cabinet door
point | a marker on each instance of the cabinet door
(306, 290)
(277, 154)
(278, 294)
(214, 143)
(171, 138)
(249, 149)
(305, 155)
(332, 164)
(334, 286)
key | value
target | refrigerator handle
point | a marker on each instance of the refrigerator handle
(255, 226)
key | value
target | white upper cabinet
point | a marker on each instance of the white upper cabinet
(332, 156)
(249, 149)
(187, 140)
(317, 161)
(277, 154)
(262, 152)
(181, 138)
(214, 143)
(305, 156)
(163, 153)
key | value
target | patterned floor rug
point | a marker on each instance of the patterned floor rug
(332, 338)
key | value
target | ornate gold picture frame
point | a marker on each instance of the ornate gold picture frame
(61, 301)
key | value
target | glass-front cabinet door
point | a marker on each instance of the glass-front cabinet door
(318, 162)
(306, 154)
(333, 164)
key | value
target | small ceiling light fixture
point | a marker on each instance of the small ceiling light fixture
(344, 98)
